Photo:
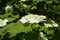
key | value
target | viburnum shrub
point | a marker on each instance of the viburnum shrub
(29, 20)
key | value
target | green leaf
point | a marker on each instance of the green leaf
(35, 25)
(34, 7)
(15, 28)
(43, 28)
(50, 32)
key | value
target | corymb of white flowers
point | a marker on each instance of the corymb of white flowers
(51, 25)
(3, 22)
(31, 18)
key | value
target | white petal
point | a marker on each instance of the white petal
(41, 34)
(7, 7)
(46, 25)
(23, 20)
(50, 25)
(2, 24)
(52, 21)
(37, 21)
(32, 20)
(25, 5)
(55, 25)
(23, 0)
(45, 38)
(5, 20)
(43, 17)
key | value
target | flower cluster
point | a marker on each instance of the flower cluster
(8, 7)
(43, 36)
(3, 22)
(51, 25)
(33, 18)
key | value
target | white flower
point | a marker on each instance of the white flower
(37, 21)
(52, 21)
(48, 25)
(34, 21)
(41, 34)
(43, 17)
(23, 20)
(55, 25)
(25, 5)
(3, 22)
(8, 7)
(51, 25)
(23, 0)
(45, 38)
(34, 18)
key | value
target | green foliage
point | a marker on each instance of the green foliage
(15, 30)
